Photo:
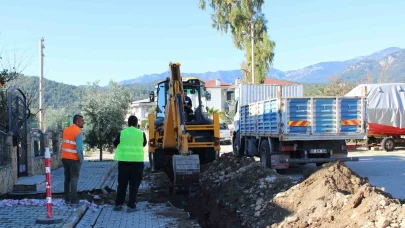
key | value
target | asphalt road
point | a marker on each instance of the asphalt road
(383, 169)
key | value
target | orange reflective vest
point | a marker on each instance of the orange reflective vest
(69, 142)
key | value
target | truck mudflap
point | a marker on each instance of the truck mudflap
(317, 160)
(276, 161)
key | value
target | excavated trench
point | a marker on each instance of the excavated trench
(234, 193)
(240, 192)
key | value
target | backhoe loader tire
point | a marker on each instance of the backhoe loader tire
(210, 155)
(159, 159)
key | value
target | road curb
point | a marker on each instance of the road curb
(75, 217)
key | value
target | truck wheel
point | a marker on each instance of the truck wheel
(265, 153)
(388, 144)
(370, 141)
(238, 146)
(320, 164)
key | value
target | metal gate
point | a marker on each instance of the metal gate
(17, 123)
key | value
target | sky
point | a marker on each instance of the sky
(89, 40)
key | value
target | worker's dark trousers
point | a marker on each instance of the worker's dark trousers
(72, 169)
(128, 172)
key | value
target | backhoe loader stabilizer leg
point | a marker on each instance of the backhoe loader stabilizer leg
(186, 170)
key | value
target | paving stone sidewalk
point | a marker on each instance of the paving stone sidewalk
(146, 215)
(93, 174)
(13, 214)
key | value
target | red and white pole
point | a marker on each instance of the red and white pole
(48, 183)
(49, 217)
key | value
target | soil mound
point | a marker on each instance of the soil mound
(335, 196)
(240, 192)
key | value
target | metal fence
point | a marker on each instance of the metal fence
(5, 153)
(55, 142)
(39, 142)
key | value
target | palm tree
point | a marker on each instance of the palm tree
(211, 112)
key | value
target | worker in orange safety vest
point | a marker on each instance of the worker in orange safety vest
(72, 158)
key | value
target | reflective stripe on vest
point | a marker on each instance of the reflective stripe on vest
(69, 142)
(69, 150)
(130, 148)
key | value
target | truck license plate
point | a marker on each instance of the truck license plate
(318, 151)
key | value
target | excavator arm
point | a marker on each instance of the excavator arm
(186, 166)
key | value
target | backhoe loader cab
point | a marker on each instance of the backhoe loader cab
(181, 136)
(193, 88)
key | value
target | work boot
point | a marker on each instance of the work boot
(117, 208)
(131, 209)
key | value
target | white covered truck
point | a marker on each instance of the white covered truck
(281, 126)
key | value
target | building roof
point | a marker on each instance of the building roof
(212, 84)
(272, 81)
(142, 102)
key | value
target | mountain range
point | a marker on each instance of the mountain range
(391, 59)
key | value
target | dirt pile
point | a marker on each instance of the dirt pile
(237, 192)
(335, 196)
(240, 192)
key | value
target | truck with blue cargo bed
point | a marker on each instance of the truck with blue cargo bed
(282, 127)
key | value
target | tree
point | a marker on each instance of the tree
(7, 76)
(337, 87)
(54, 118)
(211, 111)
(227, 117)
(152, 110)
(234, 15)
(104, 111)
(3, 109)
(144, 123)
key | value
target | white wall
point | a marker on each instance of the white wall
(140, 110)
(216, 98)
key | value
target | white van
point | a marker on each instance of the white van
(225, 133)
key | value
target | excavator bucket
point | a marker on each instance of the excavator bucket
(186, 170)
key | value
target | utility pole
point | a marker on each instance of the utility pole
(252, 38)
(41, 78)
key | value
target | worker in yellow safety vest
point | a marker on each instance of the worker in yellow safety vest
(130, 156)
(72, 158)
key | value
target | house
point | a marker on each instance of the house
(222, 94)
(140, 109)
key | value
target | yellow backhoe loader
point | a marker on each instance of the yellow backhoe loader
(181, 136)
